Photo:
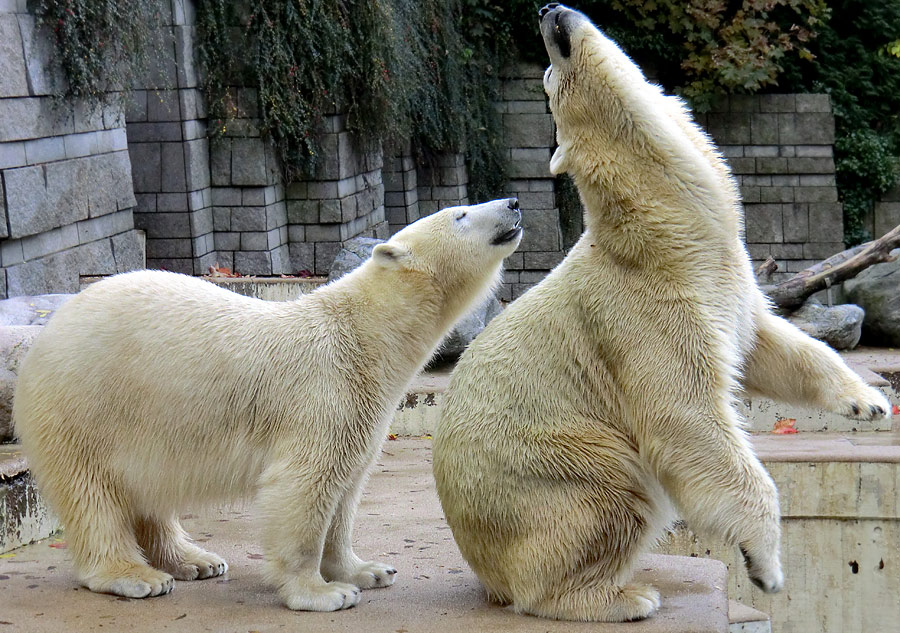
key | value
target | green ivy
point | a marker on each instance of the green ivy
(399, 69)
(102, 45)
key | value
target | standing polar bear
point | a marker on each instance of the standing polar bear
(152, 391)
(603, 400)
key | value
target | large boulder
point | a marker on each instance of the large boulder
(352, 255)
(26, 310)
(877, 290)
(838, 326)
(15, 341)
(359, 249)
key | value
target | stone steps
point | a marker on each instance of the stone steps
(23, 516)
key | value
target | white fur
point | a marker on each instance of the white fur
(602, 401)
(151, 392)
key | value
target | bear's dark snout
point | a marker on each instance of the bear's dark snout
(556, 26)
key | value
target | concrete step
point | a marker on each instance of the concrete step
(840, 503)
(400, 521)
(744, 619)
(23, 516)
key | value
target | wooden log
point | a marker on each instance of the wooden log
(791, 293)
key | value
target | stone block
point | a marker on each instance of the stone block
(225, 241)
(146, 166)
(220, 161)
(782, 180)
(45, 197)
(820, 250)
(817, 180)
(273, 239)
(742, 165)
(764, 129)
(751, 194)
(528, 130)
(197, 168)
(104, 226)
(13, 155)
(806, 129)
(254, 241)
(886, 217)
(29, 118)
(202, 263)
(253, 263)
(761, 151)
(321, 190)
(776, 194)
(796, 222)
(13, 79)
(128, 251)
(330, 210)
(248, 219)
(302, 257)
(815, 151)
(11, 253)
(323, 232)
(166, 225)
(325, 252)
(302, 211)
(813, 102)
(172, 172)
(523, 90)
(227, 196)
(159, 131)
(742, 103)
(44, 77)
(730, 128)
(203, 244)
(763, 223)
(815, 194)
(826, 222)
(172, 202)
(771, 165)
(186, 65)
(777, 103)
(169, 248)
(788, 151)
(542, 261)
(542, 230)
(810, 165)
(248, 162)
(53, 241)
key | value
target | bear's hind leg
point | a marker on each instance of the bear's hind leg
(168, 547)
(789, 366)
(585, 600)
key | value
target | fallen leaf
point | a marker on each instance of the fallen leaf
(784, 426)
(7, 555)
(217, 271)
(895, 410)
(392, 436)
(255, 556)
(59, 545)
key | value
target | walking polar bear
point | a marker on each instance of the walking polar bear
(603, 400)
(151, 391)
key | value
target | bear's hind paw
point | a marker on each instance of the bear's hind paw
(137, 582)
(330, 596)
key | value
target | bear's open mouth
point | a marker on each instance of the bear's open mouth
(509, 236)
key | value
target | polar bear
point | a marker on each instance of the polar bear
(603, 400)
(151, 391)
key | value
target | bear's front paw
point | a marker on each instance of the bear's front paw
(767, 577)
(329, 596)
(138, 581)
(200, 564)
(864, 403)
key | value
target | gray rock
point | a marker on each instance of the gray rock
(352, 255)
(15, 341)
(35, 310)
(877, 290)
(467, 329)
(838, 326)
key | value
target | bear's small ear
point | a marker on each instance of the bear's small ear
(558, 161)
(389, 254)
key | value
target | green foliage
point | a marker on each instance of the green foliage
(399, 69)
(854, 64)
(101, 45)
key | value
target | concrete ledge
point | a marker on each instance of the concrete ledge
(23, 516)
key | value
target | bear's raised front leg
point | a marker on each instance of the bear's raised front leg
(789, 366)
(168, 547)
(720, 488)
(297, 506)
(339, 561)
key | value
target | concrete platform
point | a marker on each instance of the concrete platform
(23, 516)
(400, 521)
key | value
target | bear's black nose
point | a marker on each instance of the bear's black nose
(547, 8)
(513, 203)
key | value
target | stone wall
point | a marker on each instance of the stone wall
(530, 137)
(887, 213)
(66, 197)
(780, 150)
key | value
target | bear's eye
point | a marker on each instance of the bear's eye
(461, 216)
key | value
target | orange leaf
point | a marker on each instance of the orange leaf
(61, 545)
(784, 426)
(392, 436)
(895, 410)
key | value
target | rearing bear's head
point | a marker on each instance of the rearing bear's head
(588, 76)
